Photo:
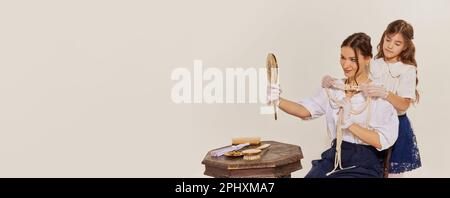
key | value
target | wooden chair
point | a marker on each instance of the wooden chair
(386, 163)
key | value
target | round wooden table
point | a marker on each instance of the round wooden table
(279, 160)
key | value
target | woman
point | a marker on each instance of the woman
(395, 68)
(359, 126)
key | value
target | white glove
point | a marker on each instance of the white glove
(328, 81)
(374, 91)
(273, 94)
(339, 85)
(347, 118)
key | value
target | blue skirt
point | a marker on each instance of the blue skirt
(367, 162)
(405, 153)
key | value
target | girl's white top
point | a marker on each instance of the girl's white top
(399, 78)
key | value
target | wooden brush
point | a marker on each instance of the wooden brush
(251, 154)
(243, 140)
(254, 154)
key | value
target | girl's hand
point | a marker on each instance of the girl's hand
(374, 91)
(328, 81)
(273, 94)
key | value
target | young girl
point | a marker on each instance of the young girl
(395, 68)
(359, 126)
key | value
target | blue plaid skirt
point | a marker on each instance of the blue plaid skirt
(405, 153)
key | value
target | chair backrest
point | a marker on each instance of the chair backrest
(386, 162)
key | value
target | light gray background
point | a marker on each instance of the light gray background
(85, 85)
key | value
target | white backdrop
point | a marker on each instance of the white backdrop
(85, 87)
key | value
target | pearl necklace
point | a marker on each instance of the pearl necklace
(335, 103)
